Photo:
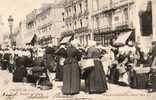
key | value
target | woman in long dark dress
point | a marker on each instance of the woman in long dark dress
(50, 59)
(96, 79)
(20, 72)
(71, 70)
(61, 55)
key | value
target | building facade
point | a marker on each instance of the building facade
(154, 19)
(45, 23)
(22, 34)
(111, 18)
(76, 19)
(99, 20)
(49, 24)
(2, 30)
(31, 26)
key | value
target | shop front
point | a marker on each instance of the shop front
(47, 39)
(105, 38)
(120, 37)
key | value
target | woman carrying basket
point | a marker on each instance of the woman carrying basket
(95, 78)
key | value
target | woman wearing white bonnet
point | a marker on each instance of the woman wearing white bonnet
(91, 43)
(95, 80)
(50, 45)
(71, 70)
(75, 43)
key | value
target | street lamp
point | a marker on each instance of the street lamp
(10, 21)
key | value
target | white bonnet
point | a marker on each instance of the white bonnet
(75, 42)
(91, 43)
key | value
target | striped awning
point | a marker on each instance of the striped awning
(66, 39)
(122, 38)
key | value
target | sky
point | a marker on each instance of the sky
(18, 9)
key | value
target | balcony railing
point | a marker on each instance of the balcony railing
(121, 26)
(112, 6)
(68, 18)
(102, 29)
(115, 27)
(82, 29)
(121, 3)
(74, 16)
(65, 33)
(103, 9)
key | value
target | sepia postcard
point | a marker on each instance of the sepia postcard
(77, 49)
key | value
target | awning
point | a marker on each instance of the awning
(43, 36)
(28, 39)
(122, 38)
(66, 39)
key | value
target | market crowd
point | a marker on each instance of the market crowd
(126, 65)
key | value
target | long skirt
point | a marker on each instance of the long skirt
(59, 72)
(19, 74)
(5, 65)
(71, 79)
(50, 63)
(114, 75)
(96, 79)
(139, 81)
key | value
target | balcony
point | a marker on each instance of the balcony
(115, 27)
(121, 3)
(44, 23)
(105, 8)
(74, 16)
(67, 33)
(98, 11)
(68, 3)
(122, 26)
(102, 29)
(105, 29)
(68, 18)
(85, 13)
(112, 6)
(82, 29)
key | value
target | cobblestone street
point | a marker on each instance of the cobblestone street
(16, 91)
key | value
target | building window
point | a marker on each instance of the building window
(49, 28)
(80, 7)
(86, 4)
(126, 14)
(97, 22)
(67, 12)
(116, 18)
(75, 22)
(81, 22)
(75, 8)
(63, 14)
